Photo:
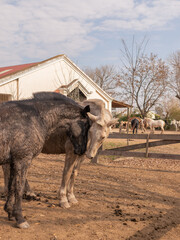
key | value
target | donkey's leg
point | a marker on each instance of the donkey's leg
(28, 193)
(20, 168)
(70, 161)
(71, 197)
(6, 171)
(8, 207)
(27, 190)
(70, 191)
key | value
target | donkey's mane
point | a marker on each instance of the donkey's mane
(53, 96)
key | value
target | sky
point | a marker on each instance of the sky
(88, 32)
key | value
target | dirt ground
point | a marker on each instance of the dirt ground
(125, 198)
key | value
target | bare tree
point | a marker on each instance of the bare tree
(104, 76)
(65, 79)
(130, 58)
(175, 74)
(142, 79)
(169, 108)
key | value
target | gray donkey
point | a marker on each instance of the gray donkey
(101, 122)
(25, 126)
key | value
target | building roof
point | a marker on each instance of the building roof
(8, 74)
(17, 69)
(6, 71)
(117, 104)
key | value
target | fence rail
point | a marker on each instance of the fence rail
(144, 136)
(164, 139)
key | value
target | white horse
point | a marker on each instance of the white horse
(154, 124)
(176, 124)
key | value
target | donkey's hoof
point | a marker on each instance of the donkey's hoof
(23, 225)
(73, 200)
(64, 204)
(30, 196)
(10, 217)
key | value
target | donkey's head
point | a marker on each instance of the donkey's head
(98, 132)
(101, 123)
(78, 131)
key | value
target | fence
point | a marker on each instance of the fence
(163, 139)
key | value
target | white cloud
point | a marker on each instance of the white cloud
(40, 29)
(144, 16)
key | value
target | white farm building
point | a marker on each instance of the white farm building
(57, 74)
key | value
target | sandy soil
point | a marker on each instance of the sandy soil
(126, 198)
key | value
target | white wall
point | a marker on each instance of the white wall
(10, 88)
(49, 76)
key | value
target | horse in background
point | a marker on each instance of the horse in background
(176, 124)
(123, 125)
(135, 125)
(148, 122)
(140, 124)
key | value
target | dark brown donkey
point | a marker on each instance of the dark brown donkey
(24, 128)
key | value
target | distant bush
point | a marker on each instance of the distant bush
(157, 117)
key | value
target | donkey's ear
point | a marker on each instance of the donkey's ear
(85, 110)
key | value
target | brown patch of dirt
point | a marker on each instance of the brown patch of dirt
(129, 198)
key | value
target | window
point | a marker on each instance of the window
(77, 95)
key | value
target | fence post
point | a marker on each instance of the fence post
(127, 126)
(147, 145)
